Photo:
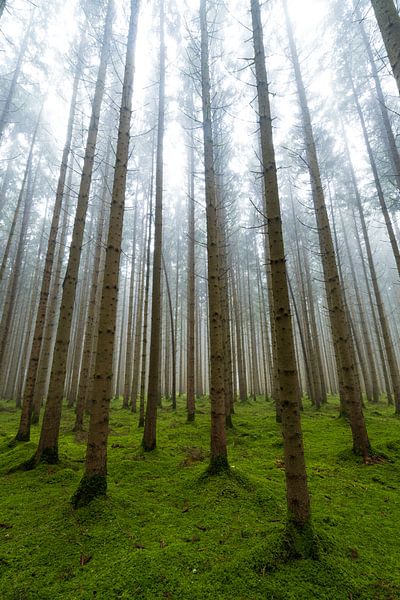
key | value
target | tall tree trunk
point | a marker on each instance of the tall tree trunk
(47, 449)
(94, 481)
(298, 499)
(149, 441)
(340, 327)
(219, 455)
(191, 291)
(23, 433)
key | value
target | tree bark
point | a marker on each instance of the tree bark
(149, 441)
(94, 481)
(297, 495)
(219, 455)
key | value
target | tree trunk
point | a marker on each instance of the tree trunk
(340, 327)
(47, 450)
(25, 421)
(94, 481)
(149, 441)
(389, 24)
(219, 455)
(298, 499)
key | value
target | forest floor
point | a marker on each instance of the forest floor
(163, 532)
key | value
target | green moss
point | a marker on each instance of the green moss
(161, 533)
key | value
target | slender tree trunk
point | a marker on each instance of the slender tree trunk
(25, 421)
(149, 441)
(20, 200)
(381, 196)
(298, 499)
(52, 315)
(340, 327)
(12, 287)
(14, 81)
(129, 341)
(219, 455)
(47, 450)
(191, 292)
(94, 481)
(146, 309)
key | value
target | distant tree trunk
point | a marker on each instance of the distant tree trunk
(191, 291)
(47, 450)
(2, 7)
(91, 315)
(386, 334)
(340, 327)
(52, 314)
(391, 142)
(137, 358)
(25, 421)
(94, 481)
(376, 328)
(314, 328)
(381, 196)
(13, 281)
(127, 394)
(11, 91)
(146, 309)
(225, 307)
(219, 456)
(363, 322)
(173, 338)
(149, 441)
(389, 24)
(239, 344)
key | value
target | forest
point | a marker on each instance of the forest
(199, 299)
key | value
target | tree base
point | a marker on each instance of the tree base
(300, 542)
(34, 419)
(149, 447)
(22, 437)
(228, 422)
(218, 465)
(190, 417)
(90, 487)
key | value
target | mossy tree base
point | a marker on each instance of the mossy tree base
(90, 487)
(218, 465)
(191, 417)
(228, 422)
(299, 542)
(22, 437)
(149, 447)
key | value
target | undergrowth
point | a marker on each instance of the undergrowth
(167, 530)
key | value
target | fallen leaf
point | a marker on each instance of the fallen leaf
(84, 559)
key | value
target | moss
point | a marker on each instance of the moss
(162, 533)
(90, 487)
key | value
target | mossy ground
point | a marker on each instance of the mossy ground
(163, 531)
